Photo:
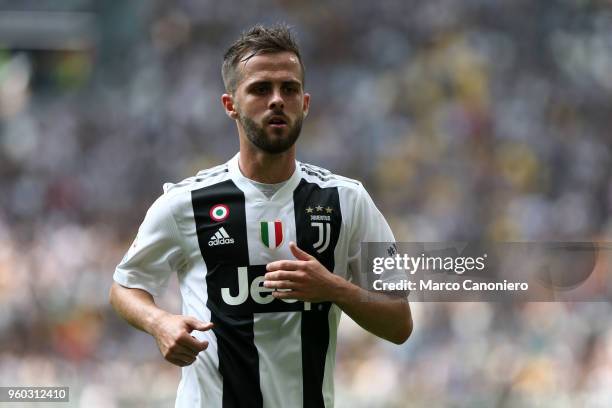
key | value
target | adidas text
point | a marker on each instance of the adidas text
(220, 241)
(220, 238)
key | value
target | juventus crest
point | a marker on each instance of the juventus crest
(320, 218)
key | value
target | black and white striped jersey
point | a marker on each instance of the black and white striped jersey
(217, 231)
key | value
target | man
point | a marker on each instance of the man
(265, 248)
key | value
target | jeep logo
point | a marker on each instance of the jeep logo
(257, 292)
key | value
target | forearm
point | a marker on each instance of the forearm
(136, 306)
(384, 315)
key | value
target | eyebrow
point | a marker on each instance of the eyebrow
(266, 82)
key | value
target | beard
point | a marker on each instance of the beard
(273, 144)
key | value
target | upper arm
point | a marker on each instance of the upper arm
(155, 253)
(119, 293)
(367, 225)
(370, 226)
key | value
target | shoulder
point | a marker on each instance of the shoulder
(203, 178)
(325, 178)
(351, 192)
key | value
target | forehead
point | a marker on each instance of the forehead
(280, 66)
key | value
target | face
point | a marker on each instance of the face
(269, 102)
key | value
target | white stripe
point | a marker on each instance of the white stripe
(280, 362)
(280, 366)
(224, 232)
(218, 235)
(271, 235)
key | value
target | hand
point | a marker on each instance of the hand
(176, 344)
(304, 279)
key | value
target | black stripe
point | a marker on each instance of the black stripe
(327, 177)
(238, 357)
(208, 174)
(322, 171)
(312, 173)
(315, 326)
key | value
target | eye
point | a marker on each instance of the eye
(290, 89)
(260, 89)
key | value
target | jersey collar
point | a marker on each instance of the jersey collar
(252, 192)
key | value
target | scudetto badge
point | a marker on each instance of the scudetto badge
(272, 233)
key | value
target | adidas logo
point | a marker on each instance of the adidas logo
(220, 238)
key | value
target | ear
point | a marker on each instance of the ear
(306, 107)
(228, 103)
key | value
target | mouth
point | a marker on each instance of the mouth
(277, 122)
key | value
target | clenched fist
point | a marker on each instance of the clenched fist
(173, 336)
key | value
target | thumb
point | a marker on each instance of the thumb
(195, 324)
(298, 253)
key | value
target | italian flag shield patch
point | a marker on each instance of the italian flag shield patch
(272, 233)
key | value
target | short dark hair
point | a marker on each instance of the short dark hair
(257, 40)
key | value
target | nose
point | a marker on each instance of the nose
(276, 101)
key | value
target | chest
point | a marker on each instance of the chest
(233, 226)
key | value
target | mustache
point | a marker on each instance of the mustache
(279, 114)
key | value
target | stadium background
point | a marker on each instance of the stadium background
(465, 120)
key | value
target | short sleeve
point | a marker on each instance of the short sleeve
(368, 225)
(155, 253)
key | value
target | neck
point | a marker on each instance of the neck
(264, 167)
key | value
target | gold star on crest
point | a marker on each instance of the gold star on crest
(309, 210)
(319, 208)
(329, 210)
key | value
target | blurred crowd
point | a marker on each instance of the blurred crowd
(465, 120)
